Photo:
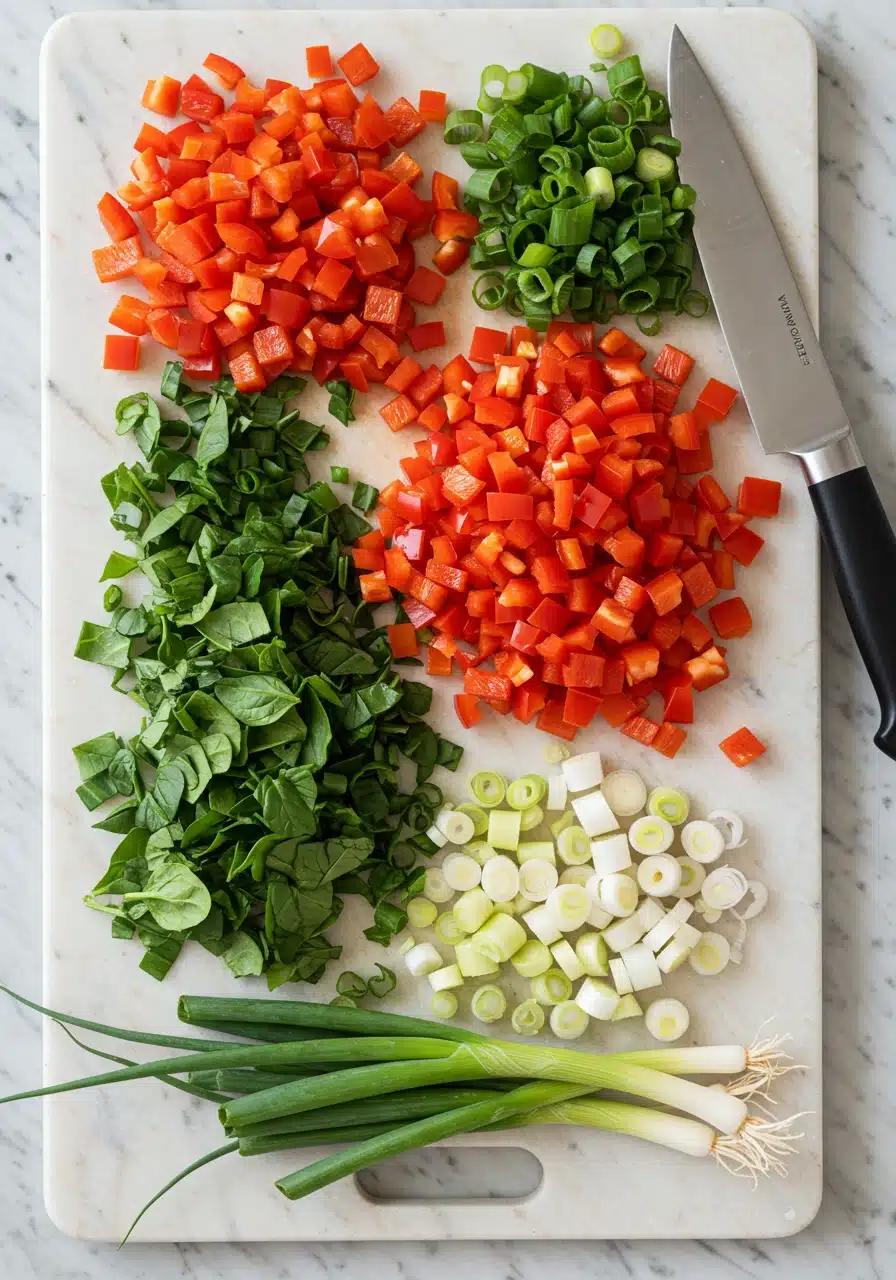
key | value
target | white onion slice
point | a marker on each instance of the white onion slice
(724, 888)
(594, 814)
(556, 793)
(682, 910)
(731, 825)
(583, 772)
(711, 955)
(446, 978)
(692, 877)
(461, 872)
(611, 853)
(649, 835)
(621, 981)
(667, 1019)
(641, 967)
(688, 934)
(702, 841)
(737, 944)
(625, 792)
(659, 875)
(438, 837)
(597, 998)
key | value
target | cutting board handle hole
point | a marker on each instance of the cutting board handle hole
(492, 1174)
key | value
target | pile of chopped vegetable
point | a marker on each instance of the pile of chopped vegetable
(278, 231)
(263, 782)
(549, 522)
(633, 922)
(379, 1084)
(578, 197)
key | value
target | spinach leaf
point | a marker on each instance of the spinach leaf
(104, 645)
(234, 624)
(284, 808)
(118, 565)
(243, 956)
(176, 897)
(255, 699)
(215, 436)
(342, 399)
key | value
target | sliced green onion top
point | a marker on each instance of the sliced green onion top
(606, 40)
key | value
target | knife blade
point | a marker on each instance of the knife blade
(786, 383)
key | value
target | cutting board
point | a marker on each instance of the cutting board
(106, 1153)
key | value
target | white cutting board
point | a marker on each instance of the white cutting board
(105, 1154)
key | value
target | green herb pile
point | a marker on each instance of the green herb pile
(578, 197)
(263, 783)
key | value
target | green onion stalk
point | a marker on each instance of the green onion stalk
(376, 1084)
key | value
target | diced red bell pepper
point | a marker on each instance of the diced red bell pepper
(673, 365)
(742, 747)
(757, 497)
(731, 618)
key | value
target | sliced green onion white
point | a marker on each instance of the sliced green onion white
(461, 872)
(669, 803)
(504, 828)
(594, 814)
(436, 887)
(577, 900)
(621, 981)
(591, 950)
(421, 912)
(574, 846)
(472, 909)
(488, 1004)
(583, 772)
(448, 930)
(551, 987)
(423, 959)
(610, 853)
(501, 878)
(540, 849)
(692, 877)
(619, 894)
(641, 967)
(532, 959)
(651, 834)
(710, 955)
(527, 1018)
(702, 841)
(724, 888)
(569, 905)
(557, 793)
(456, 827)
(625, 792)
(568, 1020)
(731, 825)
(445, 978)
(537, 878)
(659, 875)
(567, 959)
(443, 1004)
(667, 1019)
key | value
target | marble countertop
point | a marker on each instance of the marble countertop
(854, 1235)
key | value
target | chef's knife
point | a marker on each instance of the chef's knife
(785, 381)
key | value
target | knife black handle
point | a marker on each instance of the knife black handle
(862, 548)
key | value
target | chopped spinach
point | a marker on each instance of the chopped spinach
(263, 783)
